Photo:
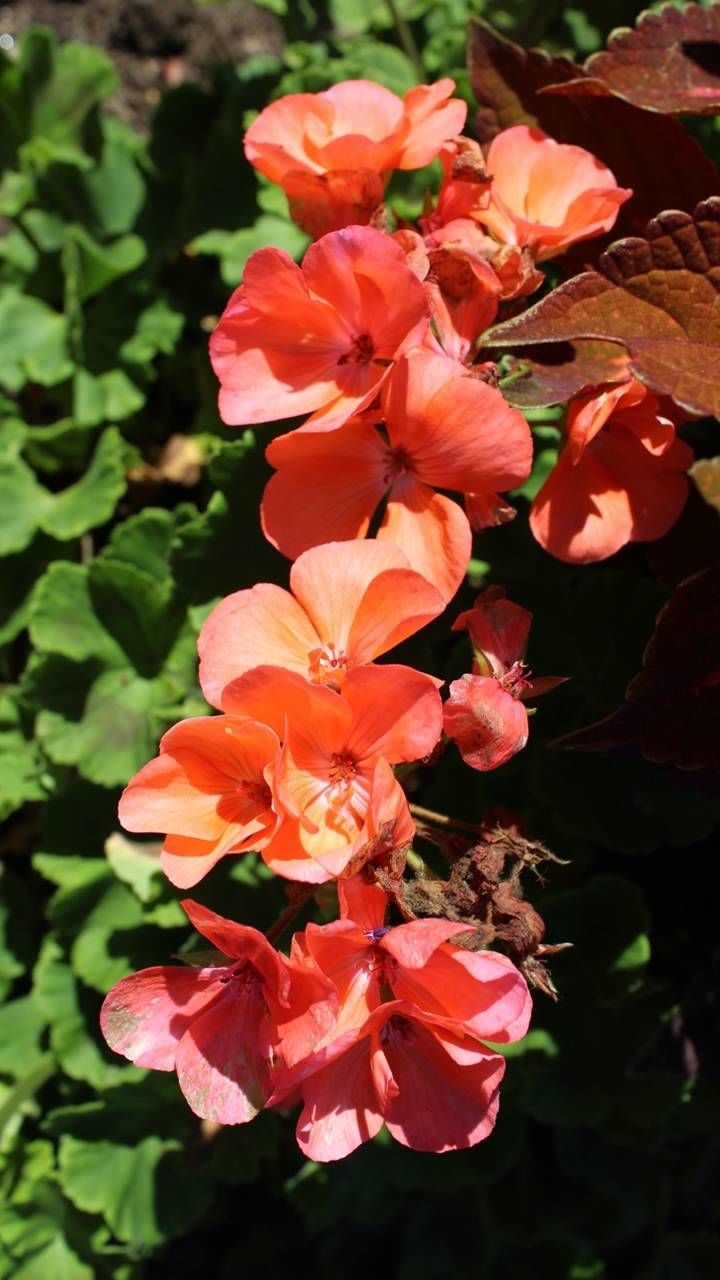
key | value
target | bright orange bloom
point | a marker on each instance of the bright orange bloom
(620, 477)
(332, 151)
(209, 790)
(333, 776)
(349, 604)
(445, 429)
(545, 194)
(320, 339)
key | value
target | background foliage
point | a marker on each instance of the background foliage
(126, 509)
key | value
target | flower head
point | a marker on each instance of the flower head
(444, 429)
(224, 1028)
(333, 780)
(620, 478)
(545, 194)
(332, 151)
(484, 714)
(349, 604)
(321, 338)
(208, 791)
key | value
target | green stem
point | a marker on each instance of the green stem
(406, 38)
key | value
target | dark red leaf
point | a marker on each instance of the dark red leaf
(658, 296)
(543, 376)
(671, 712)
(666, 168)
(670, 62)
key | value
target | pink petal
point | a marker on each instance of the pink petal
(262, 626)
(480, 989)
(432, 530)
(240, 942)
(341, 1108)
(362, 902)
(439, 1105)
(222, 1060)
(485, 722)
(397, 713)
(326, 489)
(414, 944)
(145, 1016)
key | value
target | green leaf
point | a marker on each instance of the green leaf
(64, 82)
(142, 615)
(117, 728)
(115, 188)
(93, 499)
(74, 1038)
(156, 333)
(22, 770)
(91, 267)
(23, 502)
(63, 619)
(104, 397)
(137, 864)
(32, 342)
(233, 248)
(21, 1027)
(146, 1193)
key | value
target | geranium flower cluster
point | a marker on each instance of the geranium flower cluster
(374, 341)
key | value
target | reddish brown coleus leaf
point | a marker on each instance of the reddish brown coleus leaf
(671, 712)
(542, 376)
(658, 296)
(652, 153)
(670, 62)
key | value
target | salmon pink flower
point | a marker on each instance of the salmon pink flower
(432, 1086)
(333, 777)
(484, 714)
(224, 1028)
(367, 962)
(349, 603)
(620, 478)
(320, 338)
(209, 790)
(332, 152)
(547, 195)
(444, 429)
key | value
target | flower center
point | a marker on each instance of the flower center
(361, 351)
(257, 793)
(516, 679)
(398, 462)
(327, 665)
(343, 771)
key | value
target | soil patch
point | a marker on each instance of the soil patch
(155, 44)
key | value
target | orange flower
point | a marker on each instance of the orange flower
(320, 339)
(349, 604)
(619, 479)
(333, 780)
(209, 790)
(545, 194)
(445, 429)
(331, 152)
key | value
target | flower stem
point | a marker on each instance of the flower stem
(442, 820)
(299, 895)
